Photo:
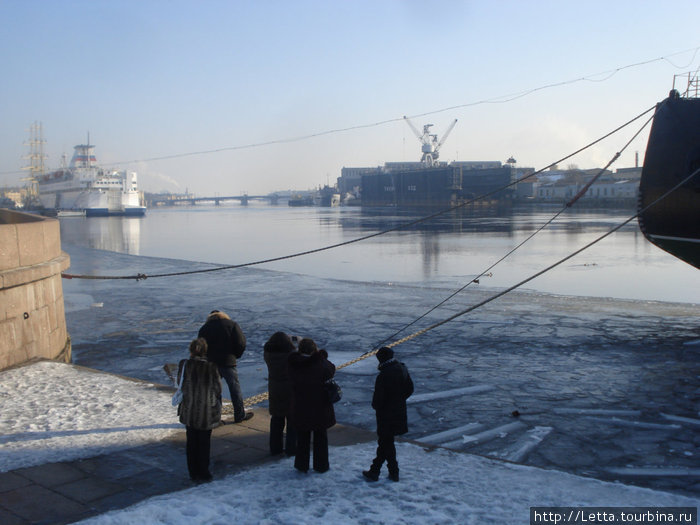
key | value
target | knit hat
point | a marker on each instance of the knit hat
(384, 354)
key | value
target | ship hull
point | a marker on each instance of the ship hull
(672, 155)
(105, 212)
(94, 202)
(434, 186)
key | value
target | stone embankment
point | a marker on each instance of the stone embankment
(32, 314)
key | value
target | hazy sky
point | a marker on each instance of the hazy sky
(149, 79)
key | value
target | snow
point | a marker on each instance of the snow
(53, 412)
(435, 487)
(57, 412)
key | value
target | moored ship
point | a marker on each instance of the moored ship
(669, 190)
(430, 182)
(84, 186)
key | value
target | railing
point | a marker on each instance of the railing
(692, 84)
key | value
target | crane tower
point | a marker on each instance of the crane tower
(430, 146)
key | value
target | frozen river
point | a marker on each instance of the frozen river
(592, 383)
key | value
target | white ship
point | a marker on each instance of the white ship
(84, 186)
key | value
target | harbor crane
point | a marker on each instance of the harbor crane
(430, 145)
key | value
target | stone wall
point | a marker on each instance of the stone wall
(32, 315)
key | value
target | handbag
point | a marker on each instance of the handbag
(333, 390)
(177, 396)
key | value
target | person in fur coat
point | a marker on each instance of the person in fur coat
(279, 386)
(392, 388)
(311, 410)
(200, 409)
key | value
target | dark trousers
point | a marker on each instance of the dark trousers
(198, 449)
(386, 451)
(277, 424)
(320, 462)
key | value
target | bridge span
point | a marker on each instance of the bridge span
(174, 200)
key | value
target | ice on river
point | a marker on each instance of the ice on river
(577, 365)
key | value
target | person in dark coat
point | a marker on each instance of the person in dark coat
(392, 388)
(200, 408)
(279, 387)
(226, 343)
(311, 410)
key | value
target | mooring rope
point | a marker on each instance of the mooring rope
(143, 276)
(487, 271)
(261, 397)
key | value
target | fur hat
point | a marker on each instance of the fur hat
(384, 354)
(217, 314)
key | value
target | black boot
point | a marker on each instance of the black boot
(371, 475)
(394, 472)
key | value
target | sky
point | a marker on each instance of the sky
(57, 412)
(233, 97)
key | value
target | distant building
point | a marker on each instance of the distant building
(526, 188)
(619, 188)
(628, 173)
(13, 198)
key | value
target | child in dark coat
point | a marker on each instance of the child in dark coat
(200, 409)
(392, 388)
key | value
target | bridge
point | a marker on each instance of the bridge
(174, 200)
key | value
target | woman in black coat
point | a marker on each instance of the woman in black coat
(200, 408)
(311, 410)
(279, 387)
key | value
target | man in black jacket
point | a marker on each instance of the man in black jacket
(226, 343)
(391, 390)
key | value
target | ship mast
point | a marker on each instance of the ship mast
(36, 155)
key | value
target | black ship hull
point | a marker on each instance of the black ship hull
(435, 186)
(672, 155)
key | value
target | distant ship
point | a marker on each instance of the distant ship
(673, 155)
(326, 197)
(82, 186)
